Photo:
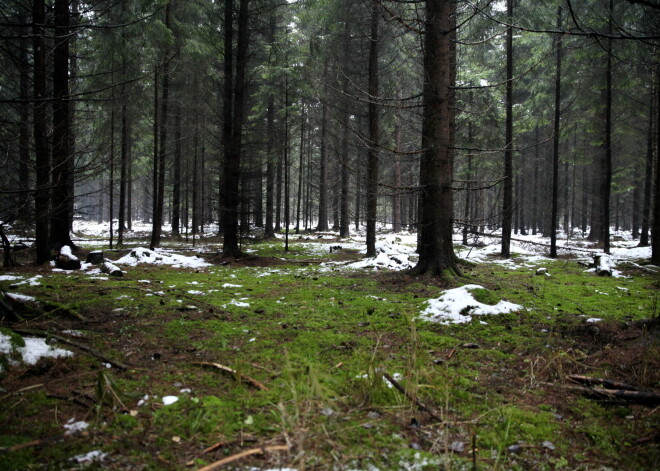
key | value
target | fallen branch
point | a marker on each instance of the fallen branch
(225, 369)
(243, 454)
(608, 384)
(414, 400)
(638, 397)
(85, 348)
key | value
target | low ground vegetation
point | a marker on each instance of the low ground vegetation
(317, 360)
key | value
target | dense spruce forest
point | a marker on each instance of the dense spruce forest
(361, 235)
(263, 116)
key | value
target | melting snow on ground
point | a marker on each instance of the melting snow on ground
(161, 257)
(33, 351)
(92, 456)
(457, 306)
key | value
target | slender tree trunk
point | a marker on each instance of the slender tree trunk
(278, 191)
(468, 188)
(396, 196)
(436, 251)
(41, 150)
(606, 187)
(555, 143)
(301, 168)
(507, 208)
(154, 173)
(232, 175)
(655, 249)
(60, 197)
(111, 196)
(344, 230)
(125, 140)
(270, 167)
(323, 168)
(648, 176)
(157, 225)
(176, 184)
(372, 162)
(24, 207)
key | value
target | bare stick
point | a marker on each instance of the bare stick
(416, 401)
(225, 369)
(243, 454)
(607, 383)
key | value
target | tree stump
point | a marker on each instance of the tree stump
(66, 260)
(95, 258)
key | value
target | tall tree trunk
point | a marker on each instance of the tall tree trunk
(606, 187)
(111, 196)
(125, 137)
(372, 162)
(24, 206)
(176, 184)
(555, 142)
(323, 168)
(507, 207)
(436, 251)
(60, 197)
(396, 196)
(648, 176)
(270, 167)
(154, 173)
(157, 223)
(41, 150)
(655, 249)
(230, 247)
(123, 177)
(300, 167)
(468, 189)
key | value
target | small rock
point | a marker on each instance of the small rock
(549, 445)
(327, 411)
(415, 446)
(514, 449)
(373, 415)
(457, 447)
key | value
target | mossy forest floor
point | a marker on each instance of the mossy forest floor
(493, 393)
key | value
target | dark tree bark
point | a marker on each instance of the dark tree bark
(111, 196)
(123, 172)
(323, 170)
(176, 183)
(60, 196)
(24, 206)
(301, 168)
(468, 190)
(41, 150)
(270, 167)
(606, 184)
(648, 176)
(157, 223)
(232, 176)
(555, 142)
(655, 248)
(372, 162)
(436, 251)
(507, 207)
(125, 142)
(396, 196)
